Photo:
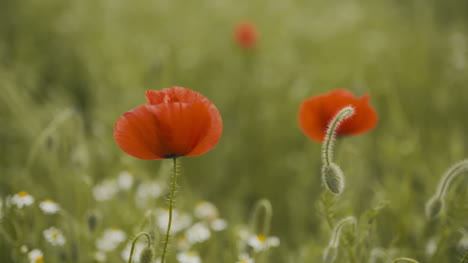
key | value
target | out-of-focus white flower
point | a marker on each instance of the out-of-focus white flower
(157, 260)
(147, 192)
(260, 242)
(183, 244)
(54, 236)
(188, 257)
(105, 190)
(206, 210)
(218, 224)
(179, 220)
(198, 233)
(125, 180)
(49, 207)
(110, 239)
(463, 243)
(36, 256)
(139, 247)
(431, 247)
(245, 258)
(24, 249)
(100, 256)
(21, 199)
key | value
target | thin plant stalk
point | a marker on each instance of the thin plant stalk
(171, 205)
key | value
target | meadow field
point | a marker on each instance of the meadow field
(70, 69)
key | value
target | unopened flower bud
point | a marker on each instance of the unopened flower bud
(146, 255)
(434, 207)
(333, 178)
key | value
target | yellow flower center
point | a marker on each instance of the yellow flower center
(23, 194)
(261, 238)
(55, 234)
(39, 260)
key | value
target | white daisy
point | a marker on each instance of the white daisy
(125, 180)
(110, 239)
(100, 256)
(463, 243)
(218, 224)
(183, 244)
(206, 210)
(179, 220)
(198, 233)
(139, 247)
(147, 192)
(54, 236)
(36, 256)
(49, 207)
(260, 242)
(244, 258)
(24, 249)
(21, 199)
(105, 190)
(188, 257)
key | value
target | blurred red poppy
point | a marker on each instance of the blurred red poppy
(175, 122)
(246, 35)
(316, 112)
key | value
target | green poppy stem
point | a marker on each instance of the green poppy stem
(171, 204)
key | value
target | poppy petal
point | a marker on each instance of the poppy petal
(135, 133)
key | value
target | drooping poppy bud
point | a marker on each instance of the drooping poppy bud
(175, 122)
(315, 114)
(246, 35)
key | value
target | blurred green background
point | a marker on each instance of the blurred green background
(97, 58)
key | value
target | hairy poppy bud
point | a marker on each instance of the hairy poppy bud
(333, 178)
(146, 255)
(433, 207)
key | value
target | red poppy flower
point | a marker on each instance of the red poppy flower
(246, 35)
(174, 122)
(315, 114)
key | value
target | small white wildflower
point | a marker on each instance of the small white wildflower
(206, 210)
(100, 256)
(125, 180)
(188, 257)
(198, 233)
(54, 236)
(110, 239)
(24, 249)
(180, 221)
(147, 192)
(105, 190)
(244, 258)
(218, 224)
(431, 247)
(139, 247)
(36, 256)
(183, 244)
(22, 199)
(463, 243)
(260, 242)
(157, 260)
(49, 207)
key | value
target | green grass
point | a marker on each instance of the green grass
(95, 59)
